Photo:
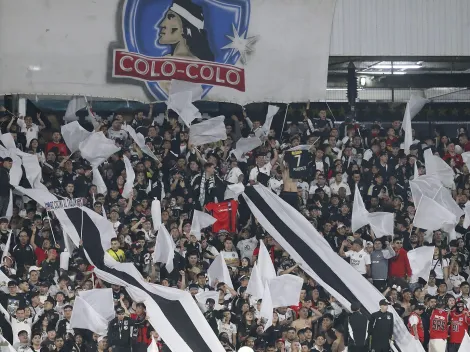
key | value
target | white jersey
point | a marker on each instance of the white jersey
(359, 260)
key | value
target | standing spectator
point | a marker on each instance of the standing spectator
(381, 328)
(356, 326)
(438, 331)
(399, 266)
(120, 332)
(415, 323)
(379, 258)
(359, 258)
(5, 185)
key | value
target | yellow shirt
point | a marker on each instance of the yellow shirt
(118, 255)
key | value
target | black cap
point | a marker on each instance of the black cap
(193, 286)
(384, 302)
(355, 306)
(12, 283)
(119, 310)
(420, 306)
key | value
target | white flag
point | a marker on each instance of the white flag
(153, 346)
(208, 131)
(181, 103)
(156, 212)
(101, 300)
(202, 298)
(139, 139)
(75, 104)
(6, 249)
(64, 260)
(178, 86)
(381, 223)
(437, 167)
(97, 148)
(233, 191)
(4, 282)
(99, 182)
(359, 212)
(5, 346)
(200, 221)
(466, 159)
(218, 271)
(130, 178)
(267, 308)
(264, 130)
(466, 220)
(432, 216)
(465, 345)
(255, 284)
(413, 107)
(164, 249)
(73, 134)
(420, 262)
(416, 171)
(444, 198)
(424, 185)
(245, 145)
(265, 264)
(85, 317)
(285, 290)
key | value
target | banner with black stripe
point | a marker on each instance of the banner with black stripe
(314, 255)
(173, 313)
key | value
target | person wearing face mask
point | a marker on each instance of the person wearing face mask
(459, 323)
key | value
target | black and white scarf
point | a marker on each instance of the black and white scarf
(202, 189)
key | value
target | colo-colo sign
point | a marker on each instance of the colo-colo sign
(197, 41)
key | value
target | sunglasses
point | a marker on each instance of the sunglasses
(398, 242)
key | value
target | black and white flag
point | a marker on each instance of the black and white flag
(308, 248)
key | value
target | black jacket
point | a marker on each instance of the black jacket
(381, 329)
(356, 328)
(121, 333)
(4, 182)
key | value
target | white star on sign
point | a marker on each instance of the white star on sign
(243, 45)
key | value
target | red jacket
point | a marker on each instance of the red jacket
(399, 266)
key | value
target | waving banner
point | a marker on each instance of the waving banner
(237, 50)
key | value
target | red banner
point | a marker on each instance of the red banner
(145, 68)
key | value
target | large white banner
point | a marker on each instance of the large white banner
(239, 51)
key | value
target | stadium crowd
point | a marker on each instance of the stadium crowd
(38, 297)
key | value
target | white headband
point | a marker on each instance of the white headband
(196, 22)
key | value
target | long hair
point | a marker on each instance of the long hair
(196, 40)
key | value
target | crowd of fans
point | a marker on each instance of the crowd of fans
(38, 297)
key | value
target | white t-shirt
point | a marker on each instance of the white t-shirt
(325, 189)
(233, 175)
(31, 132)
(359, 260)
(229, 328)
(246, 247)
(335, 188)
(438, 266)
(229, 255)
(413, 320)
(266, 169)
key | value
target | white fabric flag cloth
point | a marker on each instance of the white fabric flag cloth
(444, 198)
(424, 185)
(415, 170)
(466, 159)
(32, 169)
(466, 220)
(130, 178)
(101, 300)
(382, 223)
(208, 131)
(437, 167)
(4, 283)
(97, 148)
(85, 317)
(285, 290)
(413, 107)
(233, 191)
(181, 103)
(139, 139)
(314, 254)
(153, 346)
(99, 182)
(359, 212)
(64, 260)
(200, 221)
(265, 264)
(73, 134)
(267, 308)
(6, 248)
(430, 215)
(255, 284)
(465, 345)
(5, 345)
(172, 312)
(263, 131)
(75, 104)
(202, 298)
(156, 212)
(218, 271)
(245, 145)
(164, 248)
(178, 86)
(420, 262)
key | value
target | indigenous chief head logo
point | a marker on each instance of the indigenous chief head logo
(198, 41)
